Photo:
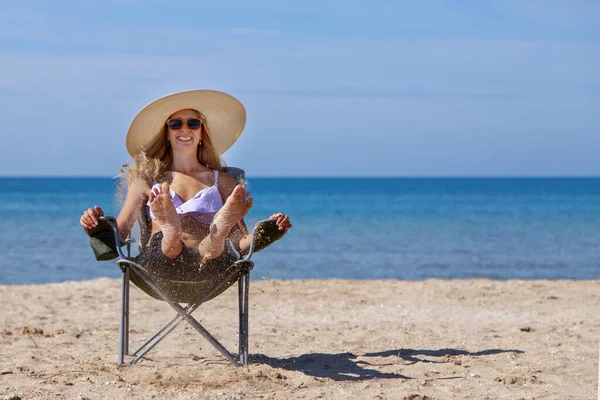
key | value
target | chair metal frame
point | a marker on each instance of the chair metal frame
(127, 265)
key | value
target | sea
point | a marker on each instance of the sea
(343, 228)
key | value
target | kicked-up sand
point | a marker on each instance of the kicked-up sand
(321, 339)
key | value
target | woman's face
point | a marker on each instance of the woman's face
(181, 136)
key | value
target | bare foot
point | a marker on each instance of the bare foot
(163, 209)
(235, 208)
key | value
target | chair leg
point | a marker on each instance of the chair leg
(158, 336)
(241, 321)
(243, 285)
(185, 314)
(246, 330)
(168, 328)
(124, 327)
(155, 339)
(127, 312)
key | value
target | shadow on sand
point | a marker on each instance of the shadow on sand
(410, 355)
(352, 367)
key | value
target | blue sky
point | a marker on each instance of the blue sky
(332, 88)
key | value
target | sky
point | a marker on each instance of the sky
(331, 88)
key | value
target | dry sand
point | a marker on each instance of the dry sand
(434, 339)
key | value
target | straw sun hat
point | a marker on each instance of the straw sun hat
(224, 114)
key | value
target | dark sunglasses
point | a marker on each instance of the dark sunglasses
(176, 124)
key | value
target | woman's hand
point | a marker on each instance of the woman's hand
(283, 221)
(89, 219)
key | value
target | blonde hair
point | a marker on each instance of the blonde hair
(152, 163)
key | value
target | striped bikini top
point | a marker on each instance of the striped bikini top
(203, 206)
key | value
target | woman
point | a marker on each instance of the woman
(176, 143)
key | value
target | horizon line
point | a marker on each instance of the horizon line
(333, 177)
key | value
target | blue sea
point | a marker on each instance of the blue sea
(350, 228)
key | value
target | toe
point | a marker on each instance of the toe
(238, 190)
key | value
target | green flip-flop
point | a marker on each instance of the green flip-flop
(265, 233)
(102, 240)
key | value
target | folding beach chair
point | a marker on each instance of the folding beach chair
(106, 244)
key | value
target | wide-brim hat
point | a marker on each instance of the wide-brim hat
(224, 114)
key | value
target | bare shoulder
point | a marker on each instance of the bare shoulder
(137, 188)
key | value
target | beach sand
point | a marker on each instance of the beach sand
(322, 339)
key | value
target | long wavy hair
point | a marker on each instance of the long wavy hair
(152, 163)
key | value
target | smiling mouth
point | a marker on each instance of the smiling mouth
(185, 139)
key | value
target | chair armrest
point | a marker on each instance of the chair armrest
(238, 174)
(129, 240)
(265, 233)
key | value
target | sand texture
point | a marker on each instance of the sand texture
(322, 339)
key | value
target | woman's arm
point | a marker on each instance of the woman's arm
(283, 223)
(137, 194)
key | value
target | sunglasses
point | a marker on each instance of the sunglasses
(177, 124)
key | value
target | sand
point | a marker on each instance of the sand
(324, 339)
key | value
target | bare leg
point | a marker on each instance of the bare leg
(162, 207)
(235, 208)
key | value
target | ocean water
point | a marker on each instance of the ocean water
(351, 228)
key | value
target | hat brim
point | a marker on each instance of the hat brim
(225, 116)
